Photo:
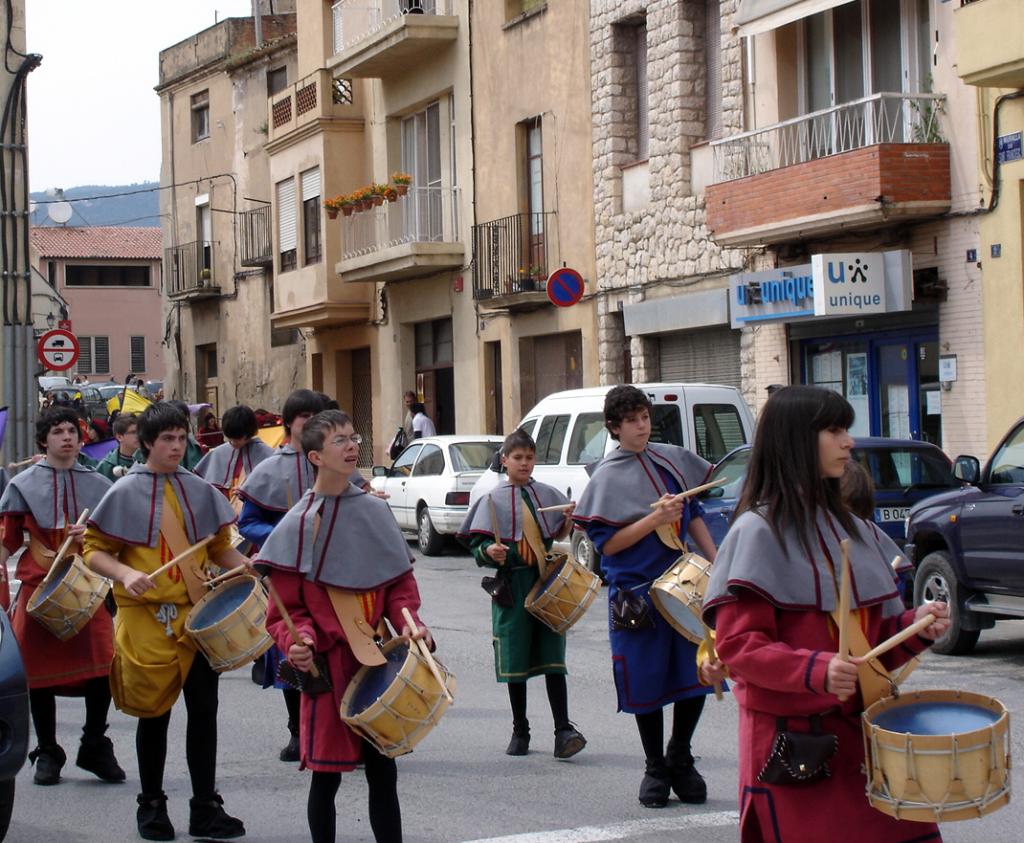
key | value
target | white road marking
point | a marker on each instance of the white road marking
(619, 831)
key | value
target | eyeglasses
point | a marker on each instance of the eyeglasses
(342, 441)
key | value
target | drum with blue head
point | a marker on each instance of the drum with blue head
(65, 601)
(563, 594)
(937, 756)
(229, 625)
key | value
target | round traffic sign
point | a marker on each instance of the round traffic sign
(58, 350)
(565, 287)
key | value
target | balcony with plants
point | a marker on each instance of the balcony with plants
(512, 258)
(881, 159)
(387, 38)
(189, 271)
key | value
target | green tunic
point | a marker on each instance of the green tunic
(111, 461)
(523, 646)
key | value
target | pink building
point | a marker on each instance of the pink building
(110, 277)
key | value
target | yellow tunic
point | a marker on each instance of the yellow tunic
(152, 653)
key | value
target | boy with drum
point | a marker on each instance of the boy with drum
(148, 518)
(340, 567)
(631, 518)
(46, 500)
(508, 530)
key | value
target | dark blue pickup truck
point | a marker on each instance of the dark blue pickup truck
(967, 546)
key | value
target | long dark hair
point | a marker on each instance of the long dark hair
(783, 475)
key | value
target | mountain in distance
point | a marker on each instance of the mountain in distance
(94, 205)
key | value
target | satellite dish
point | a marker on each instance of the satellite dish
(59, 212)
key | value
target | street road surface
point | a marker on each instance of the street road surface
(458, 785)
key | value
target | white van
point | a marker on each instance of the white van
(569, 430)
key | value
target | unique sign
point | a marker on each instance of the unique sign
(1008, 148)
(776, 295)
(849, 284)
(57, 350)
(565, 287)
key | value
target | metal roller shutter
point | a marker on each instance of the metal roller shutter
(711, 356)
(310, 183)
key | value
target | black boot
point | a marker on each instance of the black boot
(520, 743)
(96, 755)
(151, 817)
(687, 783)
(290, 752)
(48, 760)
(206, 818)
(654, 788)
(568, 742)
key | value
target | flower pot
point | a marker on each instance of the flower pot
(401, 189)
(527, 285)
(378, 199)
(332, 213)
(348, 210)
(365, 205)
(391, 196)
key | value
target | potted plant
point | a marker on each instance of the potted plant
(348, 205)
(377, 193)
(401, 181)
(362, 198)
(391, 194)
(332, 206)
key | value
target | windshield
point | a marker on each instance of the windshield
(472, 456)
(900, 469)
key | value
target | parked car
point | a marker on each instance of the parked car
(93, 404)
(569, 430)
(50, 381)
(904, 471)
(14, 719)
(967, 546)
(428, 485)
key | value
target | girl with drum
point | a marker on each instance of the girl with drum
(630, 517)
(506, 529)
(773, 600)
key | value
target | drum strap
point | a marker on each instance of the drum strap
(670, 538)
(531, 532)
(41, 554)
(362, 638)
(174, 534)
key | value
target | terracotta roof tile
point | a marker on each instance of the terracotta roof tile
(98, 242)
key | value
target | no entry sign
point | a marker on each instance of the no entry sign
(565, 287)
(57, 350)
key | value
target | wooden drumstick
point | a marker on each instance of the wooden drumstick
(188, 552)
(713, 655)
(899, 637)
(495, 530)
(13, 465)
(558, 507)
(425, 652)
(226, 575)
(896, 562)
(843, 612)
(64, 547)
(288, 622)
(689, 493)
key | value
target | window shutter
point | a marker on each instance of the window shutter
(286, 215)
(310, 183)
(102, 348)
(84, 365)
(713, 79)
(138, 354)
(642, 110)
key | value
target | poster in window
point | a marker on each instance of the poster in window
(857, 392)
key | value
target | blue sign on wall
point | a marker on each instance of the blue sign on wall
(1008, 148)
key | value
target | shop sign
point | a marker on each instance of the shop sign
(776, 295)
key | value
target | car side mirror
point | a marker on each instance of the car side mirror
(967, 469)
(380, 471)
(716, 492)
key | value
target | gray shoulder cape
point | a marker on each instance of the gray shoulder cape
(41, 490)
(131, 512)
(282, 478)
(358, 546)
(507, 503)
(751, 557)
(218, 465)
(626, 483)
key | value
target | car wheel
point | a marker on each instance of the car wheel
(584, 553)
(936, 580)
(6, 805)
(429, 540)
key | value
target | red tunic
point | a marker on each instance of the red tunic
(779, 661)
(50, 662)
(325, 743)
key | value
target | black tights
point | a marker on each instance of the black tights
(685, 716)
(200, 692)
(44, 711)
(382, 783)
(293, 702)
(558, 699)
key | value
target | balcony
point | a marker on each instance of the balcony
(306, 298)
(416, 235)
(189, 272)
(990, 43)
(387, 38)
(307, 101)
(872, 162)
(255, 241)
(512, 257)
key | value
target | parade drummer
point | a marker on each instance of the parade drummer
(228, 465)
(523, 645)
(46, 500)
(773, 601)
(116, 463)
(653, 665)
(341, 566)
(151, 516)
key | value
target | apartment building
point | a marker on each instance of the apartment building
(533, 198)
(219, 264)
(989, 37)
(761, 160)
(110, 279)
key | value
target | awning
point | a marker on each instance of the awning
(757, 16)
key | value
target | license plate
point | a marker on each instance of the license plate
(891, 513)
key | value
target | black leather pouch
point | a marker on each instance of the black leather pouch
(630, 612)
(307, 683)
(799, 757)
(499, 588)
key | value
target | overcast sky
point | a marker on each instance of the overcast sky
(93, 116)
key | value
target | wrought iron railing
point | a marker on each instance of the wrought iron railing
(879, 118)
(254, 234)
(189, 268)
(423, 215)
(513, 254)
(356, 20)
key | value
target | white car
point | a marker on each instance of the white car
(428, 485)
